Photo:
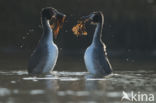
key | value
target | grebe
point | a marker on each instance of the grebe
(44, 57)
(95, 56)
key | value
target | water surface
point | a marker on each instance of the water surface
(70, 83)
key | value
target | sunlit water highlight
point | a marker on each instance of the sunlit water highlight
(72, 87)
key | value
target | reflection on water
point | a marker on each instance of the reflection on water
(72, 87)
(66, 85)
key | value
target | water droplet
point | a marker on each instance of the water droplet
(23, 37)
(28, 33)
(127, 59)
(31, 30)
(21, 46)
(150, 1)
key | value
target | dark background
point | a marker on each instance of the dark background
(129, 24)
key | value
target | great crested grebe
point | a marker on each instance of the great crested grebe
(44, 57)
(95, 56)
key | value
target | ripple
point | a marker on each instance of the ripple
(13, 72)
(68, 79)
(69, 73)
(4, 92)
(114, 94)
(74, 93)
(36, 92)
(96, 79)
(40, 78)
(52, 78)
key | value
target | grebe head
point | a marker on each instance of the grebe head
(57, 17)
(94, 17)
(48, 13)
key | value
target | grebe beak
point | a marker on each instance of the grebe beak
(88, 18)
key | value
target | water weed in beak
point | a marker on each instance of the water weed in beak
(79, 29)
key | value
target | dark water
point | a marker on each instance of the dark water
(72, 85)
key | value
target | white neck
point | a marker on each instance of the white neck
(98, 33)
(47, 31)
